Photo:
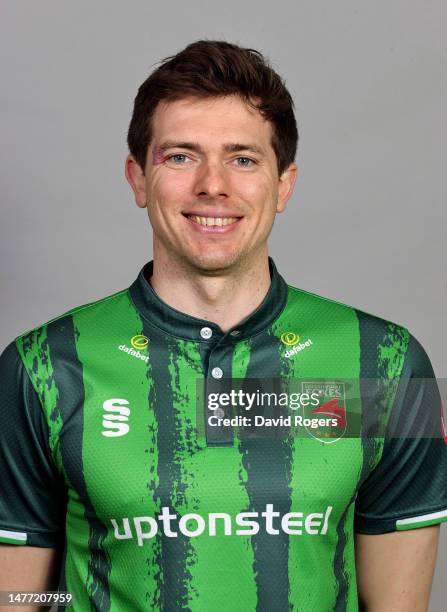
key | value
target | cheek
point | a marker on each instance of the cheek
(254, 187)
(166, 193)
(258, 195)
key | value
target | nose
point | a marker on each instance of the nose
(212, 180)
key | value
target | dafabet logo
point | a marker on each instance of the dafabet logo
(289, 338)
(138, 342)
(292, 340)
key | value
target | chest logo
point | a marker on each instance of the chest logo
(329, 419)
(139, 342)
(443, 427)
(290, 338)
(292, 341)
(115, 418)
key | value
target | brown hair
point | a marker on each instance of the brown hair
(212, 68)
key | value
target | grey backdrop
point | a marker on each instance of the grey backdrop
(367, 221)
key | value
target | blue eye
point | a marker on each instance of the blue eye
(177, 155)
(246, 159)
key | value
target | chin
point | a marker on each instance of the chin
(213, 262)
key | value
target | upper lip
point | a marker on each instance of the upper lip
(214, 215)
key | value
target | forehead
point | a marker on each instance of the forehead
(209, 118)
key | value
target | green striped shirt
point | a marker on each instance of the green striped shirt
(107, 452)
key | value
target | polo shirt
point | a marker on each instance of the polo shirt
(108, 450)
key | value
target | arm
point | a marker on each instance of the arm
(32, 493)
(404, 498)
(28, 569)
(395, 570)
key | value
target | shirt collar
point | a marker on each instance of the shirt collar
(182, 325)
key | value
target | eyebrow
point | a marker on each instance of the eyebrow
(232, 147)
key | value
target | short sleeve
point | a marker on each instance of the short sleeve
(408, 487)
(32, 494)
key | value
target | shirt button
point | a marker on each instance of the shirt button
(235, 332)
(206, 332)
(216, 373)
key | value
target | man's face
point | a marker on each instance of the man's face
(211, 182)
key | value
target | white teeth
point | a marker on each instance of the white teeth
(210, 221)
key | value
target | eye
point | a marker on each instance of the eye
(175, 158)
(245, 160)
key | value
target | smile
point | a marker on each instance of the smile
(213, 221)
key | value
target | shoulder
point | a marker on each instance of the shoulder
(390, 341)
(87, 311)
(304, 300)
(33, 345)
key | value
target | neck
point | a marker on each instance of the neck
(225, 299)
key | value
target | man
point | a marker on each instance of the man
(118, 487)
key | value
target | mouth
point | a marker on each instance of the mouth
(209, 224)
(212, 221)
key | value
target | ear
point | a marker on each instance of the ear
(286, 185)
(136, 179)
